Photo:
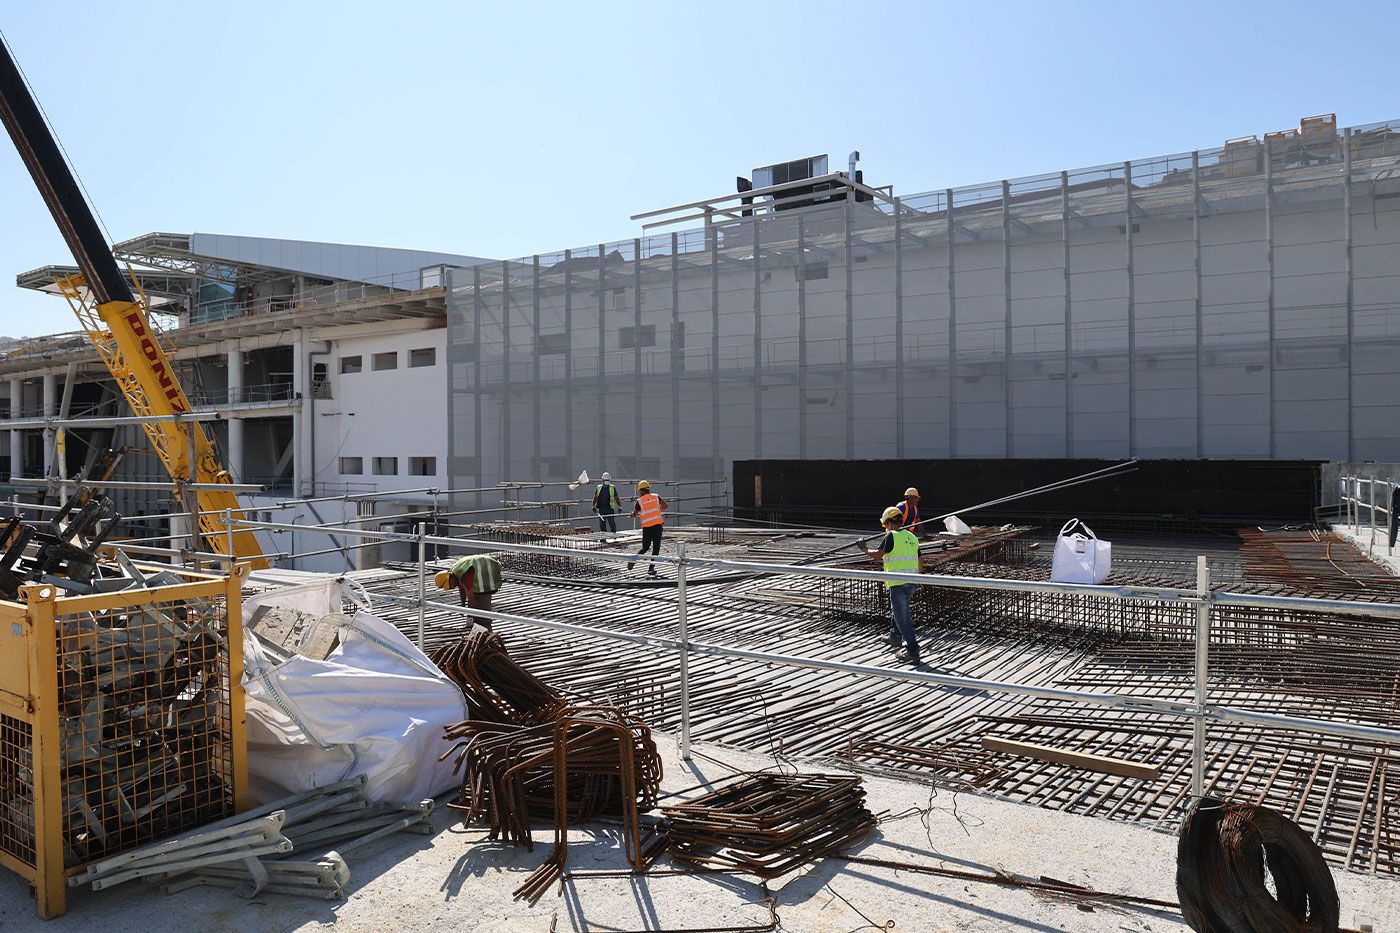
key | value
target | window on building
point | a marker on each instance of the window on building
(422, 466)
(352, 466)
(425, 356)
(386, 466)
(351, 364)
(815, 270)
(389, 360)
(552, 343)
(627, 339)
(320, 381)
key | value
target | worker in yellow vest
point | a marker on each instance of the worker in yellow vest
(899, 553)
(649, 512)
(476, 578)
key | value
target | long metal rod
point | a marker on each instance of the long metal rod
(1105, 473)
(422, 585)
(1198, 745)
(1161, 594)
(237, 488)
(684, 650)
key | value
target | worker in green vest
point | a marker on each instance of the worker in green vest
(476, 578)
(607, 504)
(899, 553)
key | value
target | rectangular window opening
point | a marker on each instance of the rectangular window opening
(389, 360)
(351, 364)
(386, 466)
(552, 343)
(627, 337)
(425, 356)
(422, 466)
(352, 466)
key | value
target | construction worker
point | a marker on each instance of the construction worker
(649, 511)
(899, 553)
(909, 508)
(606, 504)
(476, 578)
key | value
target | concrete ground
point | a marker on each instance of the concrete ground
(457, 880)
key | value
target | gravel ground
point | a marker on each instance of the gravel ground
(457, 880)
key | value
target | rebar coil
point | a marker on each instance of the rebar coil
(1224, 855)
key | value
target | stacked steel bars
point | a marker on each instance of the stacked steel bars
(767, 824)
(293, 846)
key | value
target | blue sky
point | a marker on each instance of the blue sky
(507, 129)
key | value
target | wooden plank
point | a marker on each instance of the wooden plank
(1073, 759)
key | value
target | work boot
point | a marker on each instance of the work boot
(629, 564)
(904, 654)
(895, 640)
(651, 571)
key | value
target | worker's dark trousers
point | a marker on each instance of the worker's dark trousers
(651, 538)
(900, 596)
(480, 601)
(607, 521)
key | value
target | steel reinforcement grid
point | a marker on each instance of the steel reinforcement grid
(1290, 701)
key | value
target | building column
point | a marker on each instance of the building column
(16, 437)
(302, 469)
(50, 411)
(235, 421)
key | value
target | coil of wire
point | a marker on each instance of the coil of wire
(1225, 855)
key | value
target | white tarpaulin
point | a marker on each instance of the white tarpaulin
(376, 706)
(1080, 557)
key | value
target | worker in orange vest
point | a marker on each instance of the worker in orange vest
(649, 511)
(909, 508)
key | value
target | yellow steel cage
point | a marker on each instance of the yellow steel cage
(121, 722)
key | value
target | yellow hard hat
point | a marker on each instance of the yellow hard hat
(911, 491)
(443, 579)
(889, 513)
(644, 484)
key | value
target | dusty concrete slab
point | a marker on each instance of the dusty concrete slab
(457, 880)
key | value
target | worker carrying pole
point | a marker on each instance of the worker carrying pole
(909, 509)
(899, 553)
(476, 578)
(649, 511)
(607, 504)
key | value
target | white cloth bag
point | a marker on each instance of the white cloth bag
(1080, 557)
(376, 706)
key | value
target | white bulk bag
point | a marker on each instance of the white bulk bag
(1080, 557)
(376, 706)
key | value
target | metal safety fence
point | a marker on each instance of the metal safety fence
(1192, 611)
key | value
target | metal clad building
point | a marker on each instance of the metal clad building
(1235, 302)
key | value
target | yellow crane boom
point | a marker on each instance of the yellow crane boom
(118, 322)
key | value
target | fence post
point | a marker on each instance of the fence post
(422, 584)
(228, 539)
(1371, 514)
(1356, 506)
(685, 651)
(1198, 744)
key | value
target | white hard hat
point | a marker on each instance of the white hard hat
(607, 476)
(911, 491)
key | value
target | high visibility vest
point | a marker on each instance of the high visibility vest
(905, 509)
(488, 572)
(904, 558)
(651, 510)
(612, 496)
